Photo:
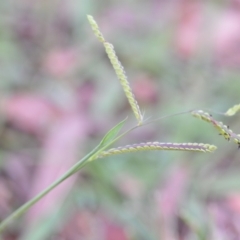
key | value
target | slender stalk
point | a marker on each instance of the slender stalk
(75, 168)
(30, 203)
(166, 116)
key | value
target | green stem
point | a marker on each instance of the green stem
(30, 203)
(75, 168)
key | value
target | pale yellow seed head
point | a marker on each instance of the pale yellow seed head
(95, 28)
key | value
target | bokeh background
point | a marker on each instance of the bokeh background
(59, 95)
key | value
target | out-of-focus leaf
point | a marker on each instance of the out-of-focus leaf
(29, 112)
(233, 110)
(220, 184)
(196, 219)
(44, 227)
(60, 152)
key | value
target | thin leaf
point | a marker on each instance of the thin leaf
(111, 134)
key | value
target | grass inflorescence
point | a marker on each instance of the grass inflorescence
(119, 70)
(223, 129)
(195, 147)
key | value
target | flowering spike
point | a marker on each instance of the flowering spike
(202, 115)
(119, 70)
(236, 139)
(196, 147)
(233, 110)
(223, 130)
(95, 28)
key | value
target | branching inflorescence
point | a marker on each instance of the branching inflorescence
(119, 70)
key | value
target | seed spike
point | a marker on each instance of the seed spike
(95, 28)
(224, 130)
(119, 70)
(196, 147)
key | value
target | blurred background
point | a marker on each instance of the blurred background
(59, 95)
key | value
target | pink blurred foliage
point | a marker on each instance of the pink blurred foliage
(5, 197)
(114, 231)
(168, 199)
(81, 225)
(14, 182)
(122, 17)
(226, 223)
(233, 201)
(95, 226)
(62, 148)
(29, 112)
(130, 186)
(85, 96)
(145, 90)
(125, 17)
(18, 169)
(227, 37)
(224, 36)
(189, 26)
(61, 62)
(26, 28)
(170, 195)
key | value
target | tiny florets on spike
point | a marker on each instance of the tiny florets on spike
(123, 80)
(119, 70)
(236, 139)
(223, 130)
(202, 115)
(196, 147)
(95, 28)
